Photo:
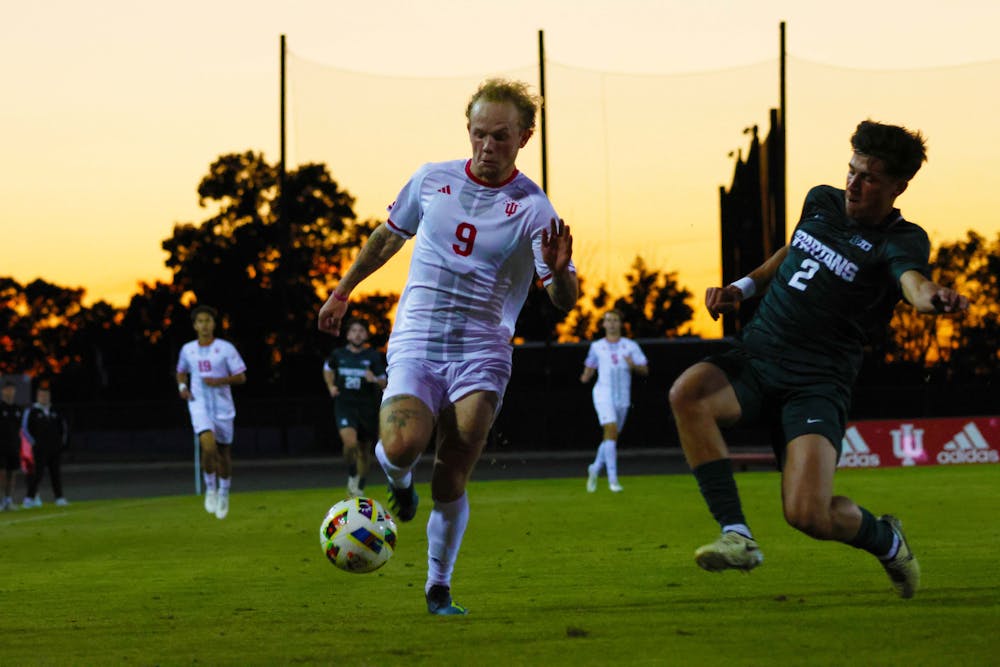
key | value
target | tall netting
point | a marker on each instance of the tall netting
(635, 161)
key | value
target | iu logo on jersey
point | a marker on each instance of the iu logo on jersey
(510, 208)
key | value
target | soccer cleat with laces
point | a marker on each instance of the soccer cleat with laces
(439, 602)
(211, 500)
(403, 502)
(730, 551)
(222, 506)
(903, 568)
(591, 479)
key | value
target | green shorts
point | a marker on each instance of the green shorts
(362, 418)
(787, 398)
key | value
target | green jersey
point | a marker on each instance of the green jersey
(838, 285)
(350, 368)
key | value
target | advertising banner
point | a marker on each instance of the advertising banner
(921, 442)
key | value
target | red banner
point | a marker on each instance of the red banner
(921, 442)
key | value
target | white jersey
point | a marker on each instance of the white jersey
(614, 377)
(477, 250)
(216, 360)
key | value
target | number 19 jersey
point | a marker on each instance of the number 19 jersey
(476, 253)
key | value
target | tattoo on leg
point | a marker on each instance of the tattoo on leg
(398, 417)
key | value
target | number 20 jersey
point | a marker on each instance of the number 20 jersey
(836, 287)
(476, 253)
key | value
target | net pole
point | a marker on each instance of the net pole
(197, 466)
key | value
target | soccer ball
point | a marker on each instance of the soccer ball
(358, 535)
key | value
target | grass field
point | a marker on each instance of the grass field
(551, 575)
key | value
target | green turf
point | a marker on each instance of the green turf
(551, 575)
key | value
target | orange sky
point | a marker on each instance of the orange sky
(114, 111)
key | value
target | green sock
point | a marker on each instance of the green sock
(718, 488)
(875, 536)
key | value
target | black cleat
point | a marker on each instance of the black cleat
(439, 602)
(404, 502)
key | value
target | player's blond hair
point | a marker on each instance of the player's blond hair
(507, 90)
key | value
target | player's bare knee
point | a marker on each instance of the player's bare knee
(681, 397)
(402, 451)
(813, 521)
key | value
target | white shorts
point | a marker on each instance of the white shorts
(609, 413)
(201, 421)
(442, 383)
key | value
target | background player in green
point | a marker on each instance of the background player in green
(851, 258)
(355, 377)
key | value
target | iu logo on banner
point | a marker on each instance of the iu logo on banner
(908, 444)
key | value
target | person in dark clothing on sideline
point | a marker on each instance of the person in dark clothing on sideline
(10, 443)
(47, 431)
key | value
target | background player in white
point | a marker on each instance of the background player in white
(614, 359)
(206, 370)
(482, 231)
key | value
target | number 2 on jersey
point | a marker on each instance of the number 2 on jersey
(809, 269)
(465, 233)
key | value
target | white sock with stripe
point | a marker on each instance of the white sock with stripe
(611, 460)
(445, 529)
(401, 478)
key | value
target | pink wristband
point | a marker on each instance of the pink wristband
(340, 298)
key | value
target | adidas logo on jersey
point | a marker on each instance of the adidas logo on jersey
(968, 446)
(854, 452)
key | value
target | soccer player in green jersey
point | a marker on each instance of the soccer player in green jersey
(851, 258)
(355, 377)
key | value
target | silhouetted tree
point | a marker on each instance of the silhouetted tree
(268, 273)
(963, 348)
(655, 306)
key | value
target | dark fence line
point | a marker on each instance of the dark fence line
(546, 408)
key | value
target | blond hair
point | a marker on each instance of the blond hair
(506, 90)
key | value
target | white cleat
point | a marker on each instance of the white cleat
(615, 487)
(61, 502)
(591, 479)
(211, 500)
(222, 508)
(354, 489)
(903, 569)
(731, 551)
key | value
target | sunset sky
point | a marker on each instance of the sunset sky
(113, 112)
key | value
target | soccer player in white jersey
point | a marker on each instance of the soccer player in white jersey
(206, 370)
(614, 359)
(482, 230)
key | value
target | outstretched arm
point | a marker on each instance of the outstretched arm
(727, 299)
(557, 250)
(929, 297)
(379, 248)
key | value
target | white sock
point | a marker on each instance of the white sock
(611, 460)
(445, 529)
(739, 528)
(894, 549)
(401, 478)
(209, 481)
(599, 458)
(224, 483)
